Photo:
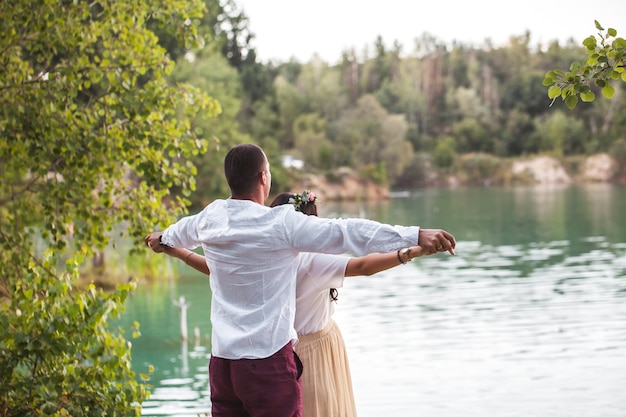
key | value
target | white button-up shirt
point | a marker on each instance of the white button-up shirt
(251, 251)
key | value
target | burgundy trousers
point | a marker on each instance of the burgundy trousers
(268, 387)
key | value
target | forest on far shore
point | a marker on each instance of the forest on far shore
(390, 111)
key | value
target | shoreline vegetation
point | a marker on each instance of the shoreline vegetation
(470, 170)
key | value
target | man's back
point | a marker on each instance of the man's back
(252, 251)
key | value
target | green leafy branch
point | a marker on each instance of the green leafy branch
(606, 55)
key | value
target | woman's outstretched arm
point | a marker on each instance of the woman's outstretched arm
(376, 262)
(189, 257)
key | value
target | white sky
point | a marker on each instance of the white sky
(297, 28)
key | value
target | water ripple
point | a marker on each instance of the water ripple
(510, 325)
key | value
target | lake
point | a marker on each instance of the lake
(528, 319)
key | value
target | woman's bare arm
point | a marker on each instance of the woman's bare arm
(376, 262)
(189, 257)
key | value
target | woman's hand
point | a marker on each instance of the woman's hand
(153, 241)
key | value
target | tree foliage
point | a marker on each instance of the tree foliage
(57, 355)
(93, 137)
(210, 73)
(368, 135)
(606, 57)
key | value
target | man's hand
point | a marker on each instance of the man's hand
(153, 241)
(436, 240)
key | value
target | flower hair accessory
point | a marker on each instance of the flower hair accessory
(299, 201)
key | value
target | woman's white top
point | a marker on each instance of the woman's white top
(317, 274)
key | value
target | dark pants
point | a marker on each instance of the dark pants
(268, 387)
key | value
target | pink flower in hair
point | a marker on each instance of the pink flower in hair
(302, 199)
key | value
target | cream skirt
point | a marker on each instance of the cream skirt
(326, 381)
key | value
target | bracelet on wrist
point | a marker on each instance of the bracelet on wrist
(400, 257)
(404, 255)
(187, 257)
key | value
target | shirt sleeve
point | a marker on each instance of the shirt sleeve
(336, 236)
(182, 234)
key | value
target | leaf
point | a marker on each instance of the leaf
(587, 97)
(554, 91)
(608, 91)
(590, 43)
(571, 102)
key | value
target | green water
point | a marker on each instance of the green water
(528, 319)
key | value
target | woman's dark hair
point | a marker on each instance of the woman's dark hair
(281, 199)
(309, 209)
(242, 164)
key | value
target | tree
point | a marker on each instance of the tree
(210, 72)
(92, 138)
(605, 63)
(311, 142)
(326, 96)
(207, 27)
(560, 135)
(291, 103)
(367, 136)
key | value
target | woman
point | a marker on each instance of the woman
(326, 381)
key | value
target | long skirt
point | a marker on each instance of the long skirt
(326, 380)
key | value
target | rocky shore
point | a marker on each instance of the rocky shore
(548, 170)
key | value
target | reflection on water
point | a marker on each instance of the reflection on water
(495, 331)
(529, 319)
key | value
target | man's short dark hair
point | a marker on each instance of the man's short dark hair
(242, 164)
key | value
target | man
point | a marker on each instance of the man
(251, 251)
